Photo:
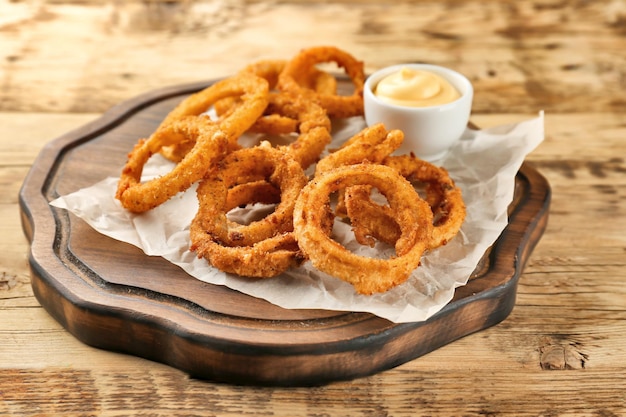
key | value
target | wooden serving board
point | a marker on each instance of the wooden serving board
(111, 295)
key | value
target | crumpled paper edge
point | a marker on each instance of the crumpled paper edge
(483, 164)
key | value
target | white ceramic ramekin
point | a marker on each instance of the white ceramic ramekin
(429, 132)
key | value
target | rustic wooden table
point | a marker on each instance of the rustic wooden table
(561, 352)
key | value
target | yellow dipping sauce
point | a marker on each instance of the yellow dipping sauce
(415, 88)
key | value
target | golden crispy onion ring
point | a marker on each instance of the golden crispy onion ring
(367, 275)
(287, 113)
(254, 192)
(264, 259)
(264, 248)
(370, 220)
(372, 144)
(444, 197)
(312, 126)
(211, 144)
(253, 92)
(248, 165)
(178, 141)
(293, 79)
(250, 90)
(186, 124)
(271, 123)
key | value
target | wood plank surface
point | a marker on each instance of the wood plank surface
(560, 56)
(562, 351)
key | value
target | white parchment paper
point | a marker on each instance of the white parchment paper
(483, 163)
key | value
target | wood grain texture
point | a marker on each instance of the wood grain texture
(521, 56)
(62, 63)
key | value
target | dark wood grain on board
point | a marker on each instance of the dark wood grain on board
(111, 295)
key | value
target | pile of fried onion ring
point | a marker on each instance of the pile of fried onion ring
(302, 187)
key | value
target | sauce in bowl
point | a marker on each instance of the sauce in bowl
(431, 104)
(415, 88)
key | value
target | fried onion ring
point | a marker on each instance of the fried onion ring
(271, 123)
(264, 259)
(444, 197)
(178, 147)
(248, 165)
(270, 69)
(287, 113)
(371, 144)
(254, 192)
(186, 124)
(293, 79)
(371, 220)
(251, 91)
(312, 127)
(263, 248)
(367, 275)
(211, 144)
